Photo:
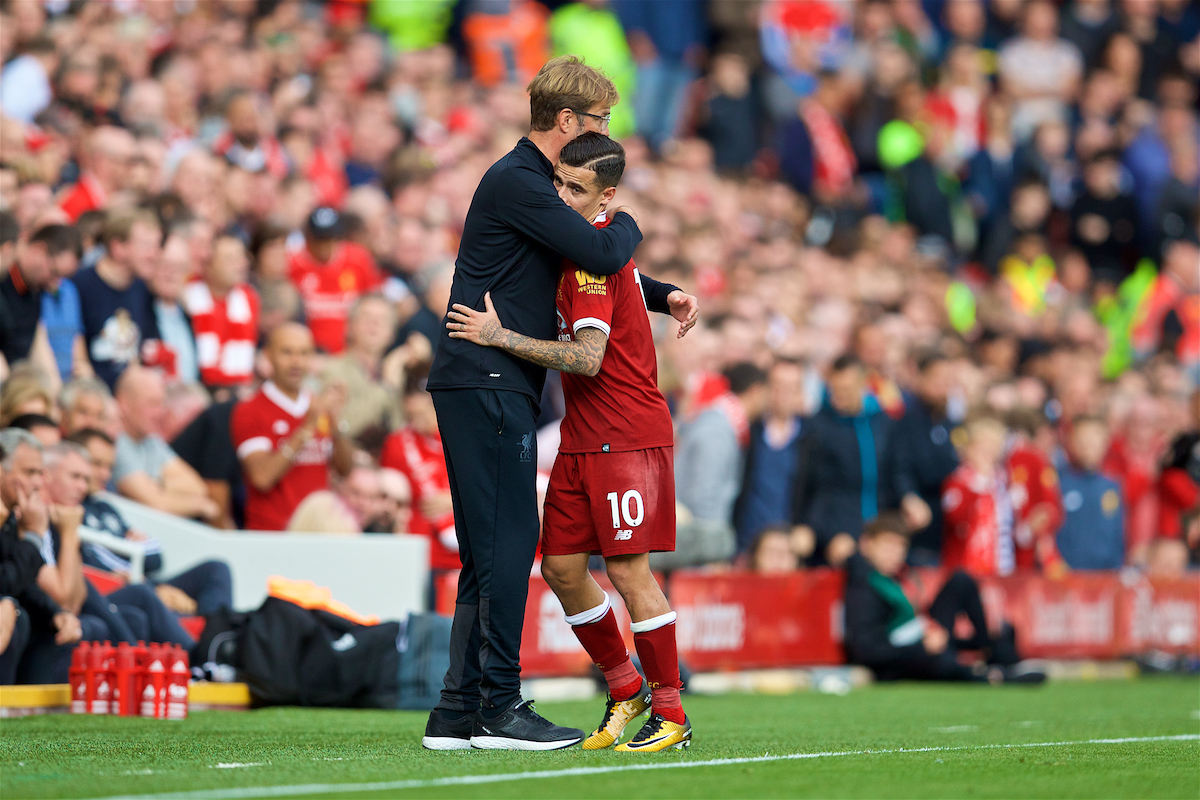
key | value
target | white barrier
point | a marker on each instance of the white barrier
(375, 574)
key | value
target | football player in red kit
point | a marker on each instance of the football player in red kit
(612, 489)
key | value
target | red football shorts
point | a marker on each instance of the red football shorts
(611, 503)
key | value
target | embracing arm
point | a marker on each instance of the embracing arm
(533, 207)
(656, 294)
(580, 357)
(666, 298)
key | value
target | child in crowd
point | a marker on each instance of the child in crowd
(1093, 532)
(885, 632)
(771, 552)
(1035, 494)
(976, 505)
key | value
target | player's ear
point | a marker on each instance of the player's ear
(607, 195)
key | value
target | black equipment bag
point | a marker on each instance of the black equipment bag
(294, 656)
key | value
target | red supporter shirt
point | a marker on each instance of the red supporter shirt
(258, 425)
(329, 289)
(226, 330)
(978, 524)
(621, 408)
(1033, 486)
(421, 460)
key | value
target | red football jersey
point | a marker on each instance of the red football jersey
(259, 425)
(620, 408)
(421, 460)
(226, 330)
(328, 290)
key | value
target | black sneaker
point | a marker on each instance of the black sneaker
(443, 733)
(1026, 672)
(522, 728)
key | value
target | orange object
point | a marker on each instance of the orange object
(510, 47)
(307, 594)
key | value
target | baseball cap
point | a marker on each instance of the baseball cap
(325, 223)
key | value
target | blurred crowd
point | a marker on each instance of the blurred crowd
(945, 250)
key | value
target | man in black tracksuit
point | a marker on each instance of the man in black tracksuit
(516, 235)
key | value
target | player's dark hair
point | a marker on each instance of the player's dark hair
(886, 522)
(84, 437)
(597, 152)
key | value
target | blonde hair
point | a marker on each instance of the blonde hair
(119, 223)
(567, 82)
(22, 386)
(322, 512)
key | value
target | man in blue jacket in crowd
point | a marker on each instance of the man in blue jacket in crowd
(844, 484)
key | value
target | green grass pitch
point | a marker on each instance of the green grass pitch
(962, 738)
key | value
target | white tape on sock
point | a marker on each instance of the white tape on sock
(592, 614)
(653, 624)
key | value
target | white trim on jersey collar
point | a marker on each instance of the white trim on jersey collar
(297, 408)
(601, 217)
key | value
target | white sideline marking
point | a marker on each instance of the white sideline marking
(235, 765)
(470, 780)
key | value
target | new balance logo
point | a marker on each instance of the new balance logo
(623, 536)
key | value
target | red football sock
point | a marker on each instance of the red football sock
(602, 641)
(655, 642)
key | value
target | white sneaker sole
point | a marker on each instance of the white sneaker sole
(502, 743)
(445, 743)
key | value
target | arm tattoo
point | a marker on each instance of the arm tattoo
(580, 357)
(490, 332)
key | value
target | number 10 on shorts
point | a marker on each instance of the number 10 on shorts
(629, 509)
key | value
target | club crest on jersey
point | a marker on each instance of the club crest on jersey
(591, 284)
(527, 447)
(564, 330)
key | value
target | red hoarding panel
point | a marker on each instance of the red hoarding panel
(739, 620)
(1160, 615)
